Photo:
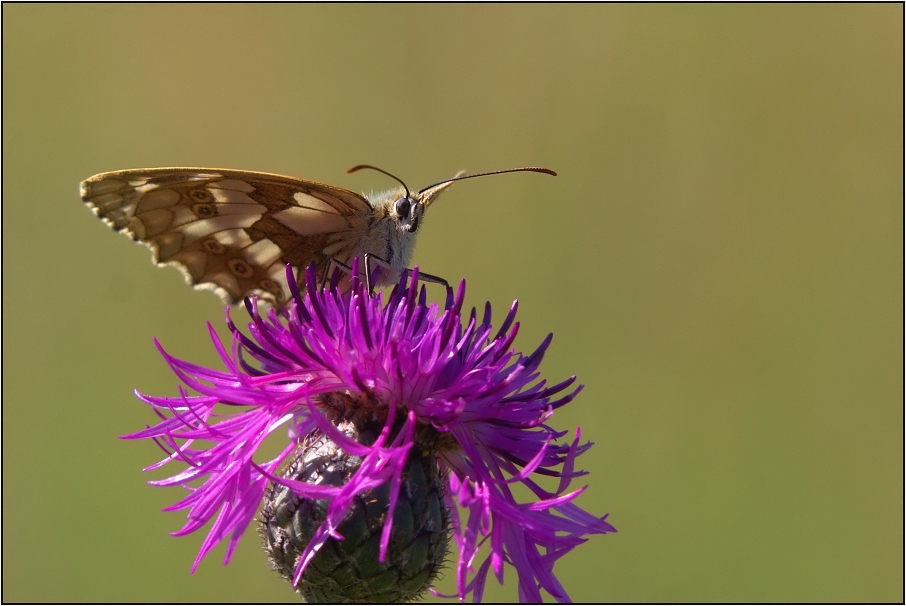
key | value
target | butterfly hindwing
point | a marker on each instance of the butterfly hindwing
(230, 231)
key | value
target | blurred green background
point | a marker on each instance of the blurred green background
(720, 260)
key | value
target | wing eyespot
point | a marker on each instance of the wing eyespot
(270, 286)
(239, 268)
(201, 194)
(214, 247)
(204, 211)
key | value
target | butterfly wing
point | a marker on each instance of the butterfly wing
(230, 231)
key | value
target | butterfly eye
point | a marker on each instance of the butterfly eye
(401, 207)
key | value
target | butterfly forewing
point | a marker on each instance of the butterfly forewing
(231, 231)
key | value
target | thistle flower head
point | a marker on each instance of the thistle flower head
(404, 409)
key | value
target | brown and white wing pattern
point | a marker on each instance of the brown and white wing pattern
(230, 231)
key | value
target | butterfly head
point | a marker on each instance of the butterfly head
(408, 209)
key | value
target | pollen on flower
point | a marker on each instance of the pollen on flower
(395, 414)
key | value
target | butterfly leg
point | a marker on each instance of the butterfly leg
(370, 261)
(331, 262)
(370, 258)
(432, 279)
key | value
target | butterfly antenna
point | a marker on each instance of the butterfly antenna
(380, 170)
(525, 169)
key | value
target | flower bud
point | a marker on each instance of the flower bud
(349, 570)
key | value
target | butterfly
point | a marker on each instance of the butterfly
(234, 232)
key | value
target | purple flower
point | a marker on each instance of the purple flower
(436, 386)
